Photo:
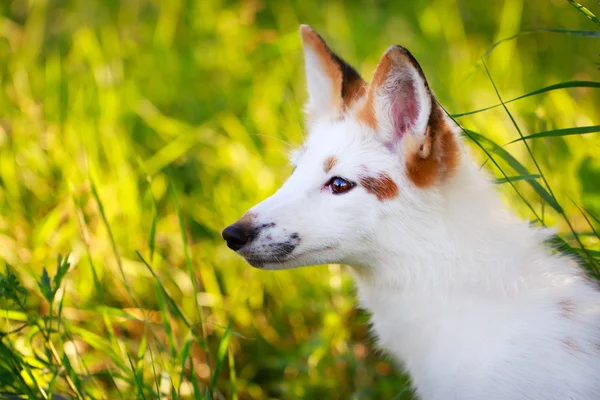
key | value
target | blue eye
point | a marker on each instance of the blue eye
(340, 185)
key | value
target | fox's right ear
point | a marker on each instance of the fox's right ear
(333, 85)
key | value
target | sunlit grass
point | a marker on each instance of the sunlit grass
(132, 132)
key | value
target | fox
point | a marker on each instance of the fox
(470, 300)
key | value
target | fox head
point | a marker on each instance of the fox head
(369, 172)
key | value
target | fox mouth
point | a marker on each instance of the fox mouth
(271, 253)
(277, 260)
(260, 262)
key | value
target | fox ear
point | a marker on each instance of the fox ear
(398, 99)
(400, 106)
(333, 85)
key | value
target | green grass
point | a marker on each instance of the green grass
(132, 132)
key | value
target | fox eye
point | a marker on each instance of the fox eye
(340, 185)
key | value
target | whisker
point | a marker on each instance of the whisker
(274, 137)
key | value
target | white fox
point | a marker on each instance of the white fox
(468, 298)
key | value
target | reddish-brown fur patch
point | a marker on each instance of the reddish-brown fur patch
(573, 347)
(381, 186)
(567, 308)
(354, 90)
(345, 80)
(366, 113)
(247, 219)
(330, 163)
(443, 156)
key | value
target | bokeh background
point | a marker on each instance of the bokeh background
(146, 126)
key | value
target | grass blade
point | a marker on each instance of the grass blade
(171, 303)
(15, 363)
(595, 253)
(112, 337)
(73, 375)
(141, 354)
(195, 383)
(518, 167)
(137, 379)
(166, 318)
(183, 358)
(221, 353)
(594, 233)
(86, 241)
(568, 32)
(101, 344)
(517, 178)
(549, 189)
(111, 237)
(593, 217)
(585, 12)
(557, 86)
(582, 130)
(190, 268)
(232, 375)
(402, 393)
(152, 238)
(550, 198)
(154, 376)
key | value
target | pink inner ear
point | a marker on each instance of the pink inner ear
(404, 107)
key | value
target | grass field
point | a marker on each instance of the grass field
(132, 132)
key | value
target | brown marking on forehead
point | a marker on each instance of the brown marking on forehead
(345, 80)
(381, 186)
(330, 163)
(437, 157)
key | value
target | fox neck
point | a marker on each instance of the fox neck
(464, 239)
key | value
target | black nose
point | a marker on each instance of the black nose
(237, 236)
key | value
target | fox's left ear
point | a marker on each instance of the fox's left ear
(333, 85)
(399, 106)
(398, 99)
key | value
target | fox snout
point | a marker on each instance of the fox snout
(238, 235)
(260, 243)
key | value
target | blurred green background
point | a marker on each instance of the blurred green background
(149, 125)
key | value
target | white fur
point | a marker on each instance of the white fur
(467, 297)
